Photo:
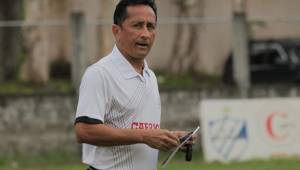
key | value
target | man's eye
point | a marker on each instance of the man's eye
(150, 27)
(137, 25)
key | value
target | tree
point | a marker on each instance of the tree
(43, 44)
(185, 54)
(10, 39)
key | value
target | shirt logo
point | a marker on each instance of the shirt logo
(144, 125)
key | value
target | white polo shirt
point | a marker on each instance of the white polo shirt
(113, 93)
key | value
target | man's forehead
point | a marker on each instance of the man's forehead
(141, 20)
(140, 10)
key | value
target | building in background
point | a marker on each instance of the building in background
(201, 43)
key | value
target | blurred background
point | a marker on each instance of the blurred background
(204, 49)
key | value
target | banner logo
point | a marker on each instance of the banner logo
(280, 127)
(229, 137)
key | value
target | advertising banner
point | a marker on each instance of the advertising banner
(243, 129)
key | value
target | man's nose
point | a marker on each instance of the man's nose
(145, 32)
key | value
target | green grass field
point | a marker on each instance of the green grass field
(178, 163)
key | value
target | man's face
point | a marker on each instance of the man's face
(137, 33)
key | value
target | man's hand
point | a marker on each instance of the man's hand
(187, 148)
(181, 134)
(161, 139)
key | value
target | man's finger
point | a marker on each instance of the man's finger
(173, 137)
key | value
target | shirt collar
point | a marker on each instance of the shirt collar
(125, 68)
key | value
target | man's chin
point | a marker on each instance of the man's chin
(141, 55)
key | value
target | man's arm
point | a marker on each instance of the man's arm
(104, 135)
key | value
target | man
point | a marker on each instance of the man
(118, 113)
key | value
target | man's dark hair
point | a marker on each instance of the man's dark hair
(121, 9)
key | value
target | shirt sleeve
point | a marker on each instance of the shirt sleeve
(93, 100)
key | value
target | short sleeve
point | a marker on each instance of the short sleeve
(93, 100)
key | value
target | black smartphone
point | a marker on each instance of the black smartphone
(189, 148)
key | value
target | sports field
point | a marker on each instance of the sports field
(66, 163)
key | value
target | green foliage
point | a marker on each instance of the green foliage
(53, 86)
(191, 80)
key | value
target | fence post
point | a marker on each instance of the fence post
(240, 48)
(79, 49)
(1, 57)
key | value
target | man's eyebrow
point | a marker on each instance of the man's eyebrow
(142, 21)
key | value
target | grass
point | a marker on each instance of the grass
(275, 164)
(47, 161)
(49, 167)
(68, 162)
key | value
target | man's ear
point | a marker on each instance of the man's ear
(115, 30)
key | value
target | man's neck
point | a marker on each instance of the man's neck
(137, 64)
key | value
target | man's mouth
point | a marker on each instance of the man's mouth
(142, 45)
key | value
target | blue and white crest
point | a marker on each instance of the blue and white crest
(229, 137)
